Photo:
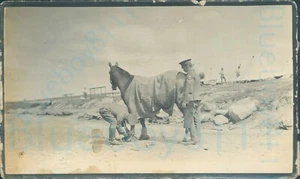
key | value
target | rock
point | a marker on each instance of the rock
(164, 121)
(66, 113)
(242, 109)
(152, 120)
(26, 112)
(208, 107)
(211, 82)
(162, 115)
(278, 77)
(176, 119)
(159, 119)
(89, 117)
(205, 117)
(220, 120)
(221, 112)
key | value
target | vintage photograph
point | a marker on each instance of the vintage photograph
(162, 89)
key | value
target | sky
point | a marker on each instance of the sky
(51, 51)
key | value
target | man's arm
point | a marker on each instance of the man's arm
(189, 88)
(119, 118)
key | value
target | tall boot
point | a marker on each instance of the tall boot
(109, 133)
(193, 134)
(127, 130)
(112, 134)
(122, 131)
(198, 128)
(186, 132)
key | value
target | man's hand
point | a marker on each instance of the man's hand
(130, 138)
(184, 104)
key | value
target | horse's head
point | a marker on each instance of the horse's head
(119, 77)
(112, 75)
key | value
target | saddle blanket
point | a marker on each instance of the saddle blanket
(146, 96)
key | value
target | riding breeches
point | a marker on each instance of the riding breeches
(110, 118)
(191, 116)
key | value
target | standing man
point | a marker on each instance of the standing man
(190, 100)
(222, 76)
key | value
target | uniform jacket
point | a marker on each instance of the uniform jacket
(192, 87)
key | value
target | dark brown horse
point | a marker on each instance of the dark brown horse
(123, 80)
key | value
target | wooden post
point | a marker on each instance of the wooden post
(90, 94)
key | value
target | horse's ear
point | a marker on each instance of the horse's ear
(109, 64)
(117, 64)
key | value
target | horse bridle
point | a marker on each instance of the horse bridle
(112, 80)
(113, 83)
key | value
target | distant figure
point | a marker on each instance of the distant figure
(84, 93)
(222, 76)
(238, 73)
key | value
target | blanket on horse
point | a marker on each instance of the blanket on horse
(146, 96)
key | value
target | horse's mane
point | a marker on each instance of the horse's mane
(124, 72)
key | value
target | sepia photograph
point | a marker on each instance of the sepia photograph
(148, 89)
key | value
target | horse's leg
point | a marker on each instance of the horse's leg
(144, 135)
(131, 134)
(181, 108)
(132, 130)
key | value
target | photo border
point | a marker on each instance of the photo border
(170, 3)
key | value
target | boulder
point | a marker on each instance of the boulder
(205, 117)
(221, 112)
(242, 109)
(208, 107)
(162, 115)
(220, 120)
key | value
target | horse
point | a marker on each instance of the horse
(163, 93)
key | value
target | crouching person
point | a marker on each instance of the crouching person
(117, 115)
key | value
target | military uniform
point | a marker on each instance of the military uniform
(191, 94)
(191, 98)
(117, 115)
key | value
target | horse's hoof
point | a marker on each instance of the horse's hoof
(144, 137)
(130, 139)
